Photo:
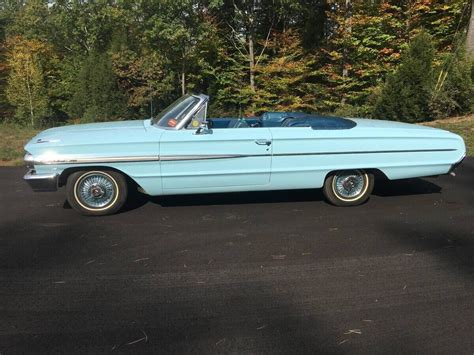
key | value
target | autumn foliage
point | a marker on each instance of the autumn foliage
(101, 60)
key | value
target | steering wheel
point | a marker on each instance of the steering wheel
(241, 123)
(286, 121)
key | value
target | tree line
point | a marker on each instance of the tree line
(79, 60)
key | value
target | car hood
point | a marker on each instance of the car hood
(90, 128)
(91, 133)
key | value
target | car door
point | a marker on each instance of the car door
(217, 160)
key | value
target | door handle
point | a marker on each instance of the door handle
(263, 142)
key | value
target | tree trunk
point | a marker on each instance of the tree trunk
(470, 32)
(30, 94)
(251, 42)
(251, 61)
(183, 82)
(32, 114)
(348, 28)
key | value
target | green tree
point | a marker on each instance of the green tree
(144, 79)
(97, 96)
(444, 20)
(283, 77)
(364, 42)
(470, 32)
(31, 21)
(248, 26)
(232, 50)
(176, 30)
(453, 93)
(27, 81)
(407, 92)
(229, 89)
(85, 26)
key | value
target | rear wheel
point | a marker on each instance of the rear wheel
(348, 187)
(97, 192)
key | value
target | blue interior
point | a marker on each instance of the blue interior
(284, 119)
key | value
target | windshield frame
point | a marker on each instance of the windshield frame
(182, 121)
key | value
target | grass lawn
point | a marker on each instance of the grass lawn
(464, 126)
(13, 138)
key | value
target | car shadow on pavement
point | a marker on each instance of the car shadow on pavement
(405, 187)
(137, 200)
(382, 188)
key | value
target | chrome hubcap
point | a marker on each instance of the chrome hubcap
(96, 190)
(349, 185)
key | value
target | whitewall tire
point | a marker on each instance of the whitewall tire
(348, 187)
(96, 192)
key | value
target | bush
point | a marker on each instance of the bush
(453, 93)
(407, 92)
(348, 110)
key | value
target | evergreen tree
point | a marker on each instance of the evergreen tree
(407, 92)
(97, 96)
(162, 48)
(453, 93)
(230, 90)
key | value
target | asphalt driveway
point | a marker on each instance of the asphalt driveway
(277, 272)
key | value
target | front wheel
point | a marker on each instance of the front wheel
(96, 193)
(348, 187)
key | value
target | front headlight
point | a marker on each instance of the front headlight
(29, 160)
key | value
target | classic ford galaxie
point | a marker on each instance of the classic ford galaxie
(181, 151)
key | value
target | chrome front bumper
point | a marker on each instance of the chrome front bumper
(41, 182)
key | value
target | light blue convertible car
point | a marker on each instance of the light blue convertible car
(181, 151)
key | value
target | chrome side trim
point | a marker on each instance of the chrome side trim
(204, 157)
(135, 159)
(231, 156)
(65, 160)
(368, 152)
(151, 158)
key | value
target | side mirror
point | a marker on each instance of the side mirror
(203, 129)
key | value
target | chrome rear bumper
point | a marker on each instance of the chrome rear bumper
(41, 182)
(455, 165)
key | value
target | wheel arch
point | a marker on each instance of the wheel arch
(377, 173)
(62, 179)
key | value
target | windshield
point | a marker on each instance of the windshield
(174, 113)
